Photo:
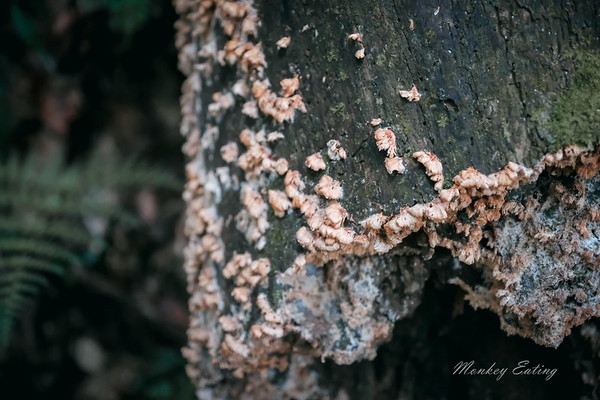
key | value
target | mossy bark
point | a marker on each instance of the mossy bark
(504, 81)
(490, 73)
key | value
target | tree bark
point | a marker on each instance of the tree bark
(291, 261)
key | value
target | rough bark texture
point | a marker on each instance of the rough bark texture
(293, 261)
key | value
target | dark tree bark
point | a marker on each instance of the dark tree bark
(293, 261)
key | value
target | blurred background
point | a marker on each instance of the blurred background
(92, 294)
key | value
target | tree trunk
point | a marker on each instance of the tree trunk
(449, 143)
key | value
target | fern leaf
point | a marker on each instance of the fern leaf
(16, 290)
(21, 277)
(43, 206)
(97, 172)
(66, 207)
(58, 230)
(38, 248)
(27, 262)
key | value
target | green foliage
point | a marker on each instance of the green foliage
(576, 116)
(163, 379)
(5, 115)
(44, 207)
(127, 16)
(24, 26)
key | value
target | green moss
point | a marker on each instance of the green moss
(442, 122)
(339, 110)
(430, 35)
(332, 56)
(404, 126)
(380, 60)
(576, 114)
(342, 76)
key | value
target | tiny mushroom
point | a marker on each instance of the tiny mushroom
(315, 162)
(229, 152)
(279, 202)
(355, 36)
(411, 95)
(283, 43)
(335, 151)
(385, 139)
(395, 164)
(290, 85)
(329, 188)
(433, 167)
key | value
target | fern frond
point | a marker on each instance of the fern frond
(17, 288)
(58, 230)
(38, 248)
(64, 206)
(32, 263)
(43, 207)
(99, 171)
(20, 279)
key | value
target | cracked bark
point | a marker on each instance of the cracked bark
(490, 74)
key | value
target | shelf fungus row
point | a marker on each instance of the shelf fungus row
(234, 329)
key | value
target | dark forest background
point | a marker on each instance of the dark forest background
(77, 77)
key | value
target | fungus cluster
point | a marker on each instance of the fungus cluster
(229, 346)
(411, 95)
(480, 196)
(329, 188)
(433, 167)
(525, 241)
(385, 139)
(258, 163)
(280, 108)
(247, 55)
(229, 152)
(283, 43)
(357, 37)
(395, 164)
(240, 353)
(315, 162)
(247, 274)
(335, 151)
(279, 202)
(222, 101)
